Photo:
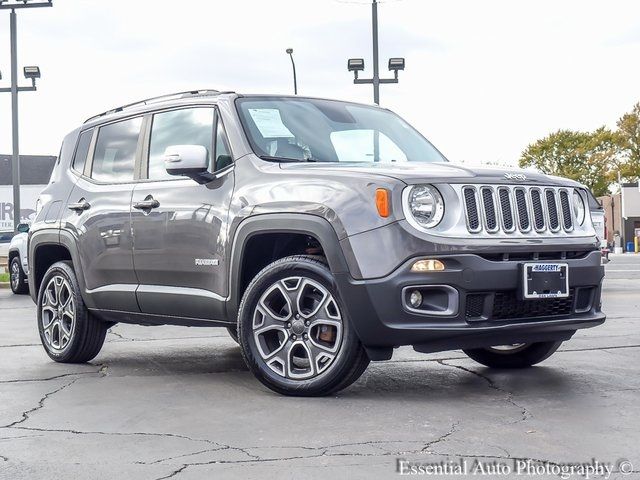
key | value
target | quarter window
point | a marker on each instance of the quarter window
(223, 154)
(190, 126)
(115, 153)
(80, 158)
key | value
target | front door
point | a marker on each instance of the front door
(179, 225)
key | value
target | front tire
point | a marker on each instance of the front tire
(68, 331)
(513, 356)
(18, 278)
(294, 331)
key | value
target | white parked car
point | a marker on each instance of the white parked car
(17, 261)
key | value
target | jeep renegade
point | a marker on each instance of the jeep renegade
(322, 234)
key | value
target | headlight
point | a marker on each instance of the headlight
(578, 207)
(426, 205)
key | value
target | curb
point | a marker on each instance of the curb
(4, 285)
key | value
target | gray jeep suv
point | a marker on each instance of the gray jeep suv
(322, 234)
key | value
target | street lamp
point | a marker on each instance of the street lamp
(30, 73)
(356, 65)
(293, 64)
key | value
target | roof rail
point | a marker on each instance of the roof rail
(162, 98)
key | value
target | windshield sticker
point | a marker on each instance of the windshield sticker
(269, 123)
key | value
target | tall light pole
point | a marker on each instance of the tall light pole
(356, 65)
(293, 64)
(29, 73)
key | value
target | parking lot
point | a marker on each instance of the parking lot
(178, 402)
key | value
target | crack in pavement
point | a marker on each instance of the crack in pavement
(509, 395)
(25, 414)
(323, 451)
(442, 438)
(55, 377)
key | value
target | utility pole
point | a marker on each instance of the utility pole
(293, 64)
(29, 73)
(356, 65)
(374, 35)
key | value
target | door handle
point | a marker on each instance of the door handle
(81, 206)
(147, 204)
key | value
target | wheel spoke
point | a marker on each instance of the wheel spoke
(57, 285)
(294, 371)
(323, 345)
(68, 309)
(312, 292)
(321, 356)
(263, 317)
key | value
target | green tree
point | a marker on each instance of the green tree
(628, 137)
(590, 158)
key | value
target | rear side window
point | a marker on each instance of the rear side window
(189, 126)
(80, 158)
(115, 152)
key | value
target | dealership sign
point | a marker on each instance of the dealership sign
(28, 197)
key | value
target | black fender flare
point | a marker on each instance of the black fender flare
(299, 223)
(59, 238)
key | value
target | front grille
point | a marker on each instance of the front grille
(510, 209)
(475, 305)
(507, 305)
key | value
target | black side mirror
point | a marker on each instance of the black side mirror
(23, 227)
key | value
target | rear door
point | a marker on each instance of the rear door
(180, 232)
(99, 212)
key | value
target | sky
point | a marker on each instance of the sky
(483, 79)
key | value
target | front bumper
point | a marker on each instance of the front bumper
(487, 309)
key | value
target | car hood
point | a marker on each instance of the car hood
(421, 172)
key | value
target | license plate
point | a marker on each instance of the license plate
(545, 280)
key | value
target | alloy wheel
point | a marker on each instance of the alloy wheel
(298, 328)
(15, 275)
(58, 313)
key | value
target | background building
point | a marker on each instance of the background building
(35, 171)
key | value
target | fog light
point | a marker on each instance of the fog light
(415, 299)
(428, 266)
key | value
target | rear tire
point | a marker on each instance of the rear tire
(17, 277)
(68, 331)
(521, 356)
(295, 335)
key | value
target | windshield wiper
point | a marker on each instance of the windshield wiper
(271, 158)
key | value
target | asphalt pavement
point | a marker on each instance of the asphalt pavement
(176, 402)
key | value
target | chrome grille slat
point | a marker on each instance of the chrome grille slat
(471, 209)
(516, 209)
(552, 209)
(506, 209)
(489, 209)
(567, 217)
(524, 221)
(538, 211)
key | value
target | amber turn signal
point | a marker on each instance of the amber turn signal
(427, 266)
(383, 202)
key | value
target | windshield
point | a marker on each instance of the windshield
(303, 129)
